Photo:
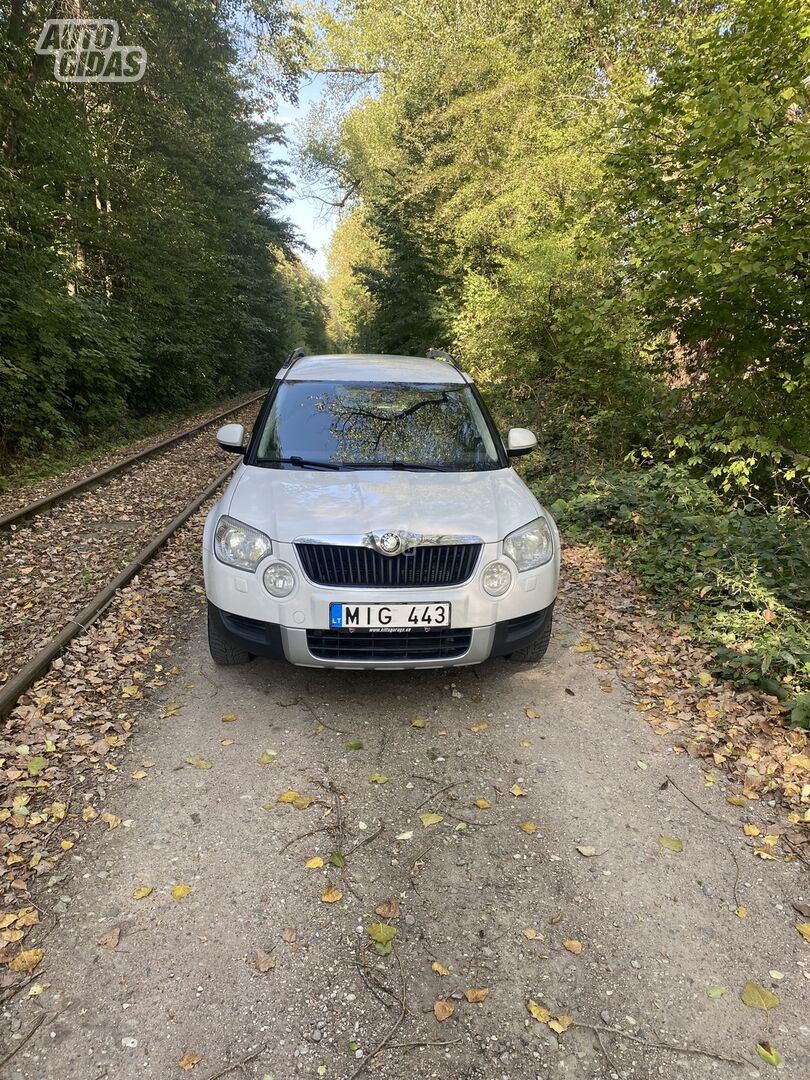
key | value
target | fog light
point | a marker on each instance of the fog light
(496, 579)
(279, 580)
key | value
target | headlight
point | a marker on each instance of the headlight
(496, 578)
(240, 545)
(279, 580)
(530, 546)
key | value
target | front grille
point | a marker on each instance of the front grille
(362, 567)
(414, 644)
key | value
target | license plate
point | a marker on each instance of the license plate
(388, 616)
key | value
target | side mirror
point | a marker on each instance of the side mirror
(520, 441)
(231, 437)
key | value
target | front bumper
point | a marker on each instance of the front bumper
(294, 644)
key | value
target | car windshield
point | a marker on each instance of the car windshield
(377, 425)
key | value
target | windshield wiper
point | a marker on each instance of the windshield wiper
(402, 465)
(302, 463)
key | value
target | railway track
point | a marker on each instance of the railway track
(101, 530)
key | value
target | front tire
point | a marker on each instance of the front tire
(223, 651)
(534, 652)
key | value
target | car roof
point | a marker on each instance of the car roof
(373, 367)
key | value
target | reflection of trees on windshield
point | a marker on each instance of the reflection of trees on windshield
(411, 424)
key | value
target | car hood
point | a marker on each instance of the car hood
(287, 503)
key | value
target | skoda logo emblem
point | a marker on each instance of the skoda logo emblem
(390, 543)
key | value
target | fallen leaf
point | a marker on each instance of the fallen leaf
(267, 758)
(440, 969)
(586, 851)
(736, 800)
(228, 718)
(715, 992)
(111, 820)
(331, 895)
(419, 723)
(181, 891)
(704, 678)
(172, 709)
(532, 935)
(303, 802)
(516, 790)
(198, 762)
(139, 774)
(741, 912)
(65, 845)
(758, 997)
(764, 853)
(264, 961)
(26, 961)
(443, 1010)
(405, 835)
(528, 827)
(573, 946)
(89, 813)
(378, 778)
(482, 726)
(288, 796)
(289, 934)
(561, 1023)
(769, 1054)
(483, 804)
(475, 997)
(338, 859)
(314, 864)
(188, 1061)
(389, 909)
(430, 819)
(670, 843)
(750, 830)
(111, 938)
(804, 930)
(141, 892)
(539, 1012)
(778, 975)
(641, 765)
(382, 933)
(525, 744)
(354, 744)
(555, 919)
(38, 988)
(532, 715)
(585, 646)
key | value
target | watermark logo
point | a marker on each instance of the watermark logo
(87, 50)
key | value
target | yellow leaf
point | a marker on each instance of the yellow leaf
(171, 710)
(483, 804)
(66, 845)
(584, 646)
(770, 840)
(516, 790)
(561, 1023)
(586, 851)
(704, 678)
(573, 946)
(331, 895)
(303, 802)
(268, 757)
(198, 762)
(764, 853)
(228, 718)
(804, 930)
(443, 1010)
(670, 843)
(531, 714)
(267, 806)
(141, 892)
(478, 727)
(139, 774)
(378, 778)
(750, 830)
(430, 819)
(741, 912)
(769, 1054)
(758, 997)
(381, 932)
(181, 891)
(188, 1061)
(532, 935)
(227, 742)
(440, 969)
(315, 863)
(419, 723)
(528, 827)
(539, 1012)
(37, 989)
(26, 961)
(288, 796)
(476, 996)
(525, 744)
(736, 800)
(111, 820)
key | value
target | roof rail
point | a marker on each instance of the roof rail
(296, 354)
(441, 354)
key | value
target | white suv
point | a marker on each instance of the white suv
(376, 522)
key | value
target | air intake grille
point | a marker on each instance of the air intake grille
(415, 644)
(361, 567)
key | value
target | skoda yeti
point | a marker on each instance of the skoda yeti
(375, 521)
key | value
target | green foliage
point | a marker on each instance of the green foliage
(737, 576)
(143, 262)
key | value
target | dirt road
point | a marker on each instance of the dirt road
(648, 929)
